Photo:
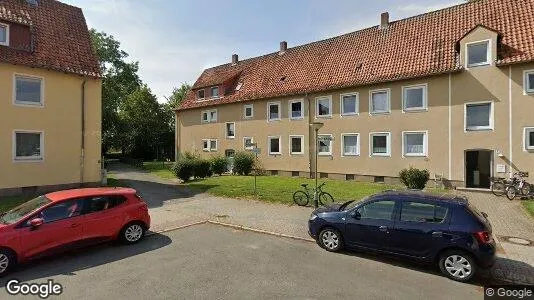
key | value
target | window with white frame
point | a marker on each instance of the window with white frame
(247, 143)
(201, 94)
(529, 82)
(323, 107)
(529, 138)
(273, 111)
(213, 145)
(379, 101)
(248, 111)
(4, 34)
(28, 90)
(350, 144)
(380, 144)
(414, 98)
(478, 53)
(209, 144)
(215, 92)
(28, 145)
(296, 144)
(275, 145)
(349, 104)
(324, 144)
(209, 116)
(230, 130)
(415, 143)
(478, 116)
(296, 109)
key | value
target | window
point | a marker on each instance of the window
(28, 145)
(324, 144)
(295, 144)
(275, 145)
(213, 145)
(230, 130)
(415, 143)
(380, 144)
(209, 145)
(215, 92)
(349, 104)
(422, 212)
(100, 203)
(479, 116)
(378, 210)
(209, 116)
(246, 143)
(28, 90)
(529, 82)
(529, 138)
(296, 109)
(273, 111)
(478, 53)
(350, 143)
(4, 34)
(379, 102)
(323, 107)
(414, 98)
(249, 111)
(60, 211)
(201, 94)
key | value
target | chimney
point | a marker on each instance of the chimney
(384, 20)
(283, 47)
(235, 59)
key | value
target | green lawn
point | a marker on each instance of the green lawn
(7, 203)
(161, 169)
(529, 205)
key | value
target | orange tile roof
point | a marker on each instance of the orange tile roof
(60, 38)
(419, 46)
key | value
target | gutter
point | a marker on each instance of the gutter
(82, 150)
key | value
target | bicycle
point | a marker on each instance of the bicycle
(518, 182)
(498, 186)
(302, 198)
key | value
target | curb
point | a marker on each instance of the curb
(149, 233)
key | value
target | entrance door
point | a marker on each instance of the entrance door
(230, 153)
(478, 166)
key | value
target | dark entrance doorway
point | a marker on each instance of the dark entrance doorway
(478, 166)
(230, 153)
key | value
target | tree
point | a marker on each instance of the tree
(178, 95)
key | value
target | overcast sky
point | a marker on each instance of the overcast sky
(174, 41)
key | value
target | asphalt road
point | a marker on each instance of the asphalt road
(214, 262)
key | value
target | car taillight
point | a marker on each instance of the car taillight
(484, 237)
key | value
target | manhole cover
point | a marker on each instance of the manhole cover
(516, 240)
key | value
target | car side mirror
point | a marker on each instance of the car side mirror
(35, 223)
(356, 215)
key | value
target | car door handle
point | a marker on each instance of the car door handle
(437, 234)
(383, 228)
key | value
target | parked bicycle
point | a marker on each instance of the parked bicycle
(510, 187)
(302, 198)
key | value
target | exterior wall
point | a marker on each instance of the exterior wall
(60, 120)
(522, 116)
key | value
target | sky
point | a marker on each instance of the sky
(175, 40)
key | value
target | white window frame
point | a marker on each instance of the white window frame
(207, 141)
(27, 103)
(388, 92)
(317, 99)
(216, 145)
(488, 54)
(357, 105)
(251, 106)
(480, 128)
(329, 153)
(209, 120)
(269, 139)
(198, 96)
(28, 158)
(226, 130)
(388, 144)
(526, 89)
(211, 92)
(245, 138)
(277, 103)
(526, 135)
(425, 143)
(424, 86)
(291, 152)
(343, 135)
(6, 43)
(290, 109)
(209, 149)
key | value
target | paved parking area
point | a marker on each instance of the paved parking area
(215, 262)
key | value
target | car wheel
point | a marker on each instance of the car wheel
(7, 261)
(132, 233)
(331, 239)
(457, 265)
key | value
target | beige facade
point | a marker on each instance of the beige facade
(59, 160)
(452, 147)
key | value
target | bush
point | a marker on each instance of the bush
(201, 168)
(243, 163)
(183, 169)
(414, 178)
(219, 165)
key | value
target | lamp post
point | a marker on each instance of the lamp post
(316, 126)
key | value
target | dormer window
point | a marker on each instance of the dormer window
(201, 94)
(4, 34)
(478, 54)
(215, 92)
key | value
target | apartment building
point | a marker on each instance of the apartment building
(50, 98)
(451, 91)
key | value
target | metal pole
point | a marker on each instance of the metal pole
(255, 174)
(316, 196)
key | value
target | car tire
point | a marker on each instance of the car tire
(330, 239)
(7, 261)
(132, 233)
(457, 265)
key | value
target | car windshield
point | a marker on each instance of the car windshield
(351, 204)
(16, 214)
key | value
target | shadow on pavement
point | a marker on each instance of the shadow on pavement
(513, 271)
(71, 262)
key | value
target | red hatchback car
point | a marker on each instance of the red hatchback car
(70, 219)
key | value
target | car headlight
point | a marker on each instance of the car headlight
(313, 217)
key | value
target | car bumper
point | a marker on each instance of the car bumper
(486, 256)
(313, 230)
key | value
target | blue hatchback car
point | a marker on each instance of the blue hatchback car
(445, 230)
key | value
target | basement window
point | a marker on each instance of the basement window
(4, 34)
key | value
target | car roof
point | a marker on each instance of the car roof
(87, 192)
(420, 195)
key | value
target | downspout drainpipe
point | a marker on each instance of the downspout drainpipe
(82, 153)
(310, 120)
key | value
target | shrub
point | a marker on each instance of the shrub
(183, 169)
(414, 178)
(219, 164)
(243, 163)
(201, 168)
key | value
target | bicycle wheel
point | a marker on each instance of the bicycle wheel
(511, 192)
(300, 198)
(325, 198)
(498, 189)
(525, 189)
